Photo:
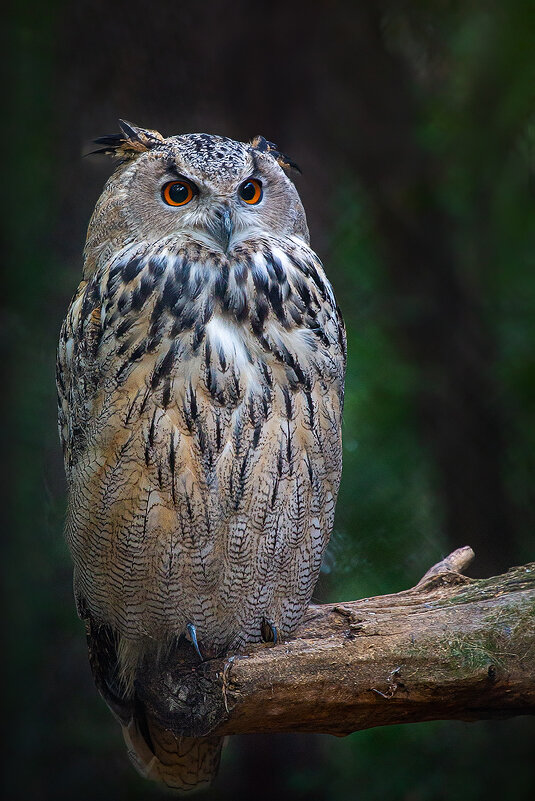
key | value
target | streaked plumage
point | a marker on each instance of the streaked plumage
(200, 389)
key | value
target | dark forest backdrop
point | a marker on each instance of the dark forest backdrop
(414, 125)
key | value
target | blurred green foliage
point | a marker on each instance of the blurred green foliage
(470, 68)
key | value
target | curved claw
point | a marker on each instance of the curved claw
(271, 627)
(192, 631)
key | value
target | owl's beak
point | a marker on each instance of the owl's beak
(223, 228)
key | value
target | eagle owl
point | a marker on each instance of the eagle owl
(200, 377)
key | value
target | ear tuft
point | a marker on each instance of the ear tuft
(264, 146)
(129, 143)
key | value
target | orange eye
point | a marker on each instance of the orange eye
(251, 191)
(178, 193)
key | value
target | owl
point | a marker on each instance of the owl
(200, 377)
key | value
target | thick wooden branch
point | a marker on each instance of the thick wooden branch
(450, 648)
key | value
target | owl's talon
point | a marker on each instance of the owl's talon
(192, 631)
(269, 632)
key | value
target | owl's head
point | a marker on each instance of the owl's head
(211, 189)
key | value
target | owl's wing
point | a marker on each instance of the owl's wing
(77, 376)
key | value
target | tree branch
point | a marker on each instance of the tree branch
(449, 648)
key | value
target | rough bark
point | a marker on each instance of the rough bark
(449, 648)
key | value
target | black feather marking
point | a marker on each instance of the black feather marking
(201, 437)
(207, 354)
(317, 280)
(208, 310)
(144, 402)
(240, 307)
(121, 372)
(198, 336)
(181, 270)
(87, 305)
(115, 269)
(110, 321)
(184, 321)
(303, 291)
(218, 432)
(278, 268)
(166, 394)
(310, 470)
(157, 265)
(310, 405)
(153, 340)
(266, 373)
(188, 417)
(152, 429)
(240, 273)
(287, 402)
(131, 408)
(210, 382)
(236, 387)
(59, 379)
(142, 292)
(261, 312)
(122, 349)
(132, 268)
(221, 282)
(171, 293)
(156, 316)
(172, 457)
(193, 287)
(139, 351)
(123, 301)
(260, 279)
(221, 357)
(256, 434)
(252, 411)
(295, 314)
(124, 326)
(264, 343)
(303, 267)
(321, 335)
(282, 354)
(275, 298)
(301, 376)
(341, 337)
(188, 506)
(274, 493)
(280, 463)
(289, 450)
(193, 403)
(163, 368)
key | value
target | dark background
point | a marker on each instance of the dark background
(414, 125)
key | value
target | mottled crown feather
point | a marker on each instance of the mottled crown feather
(133, 140)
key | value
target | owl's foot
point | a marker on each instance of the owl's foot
(192, 631)
(269, 631)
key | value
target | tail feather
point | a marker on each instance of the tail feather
(181, 763)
